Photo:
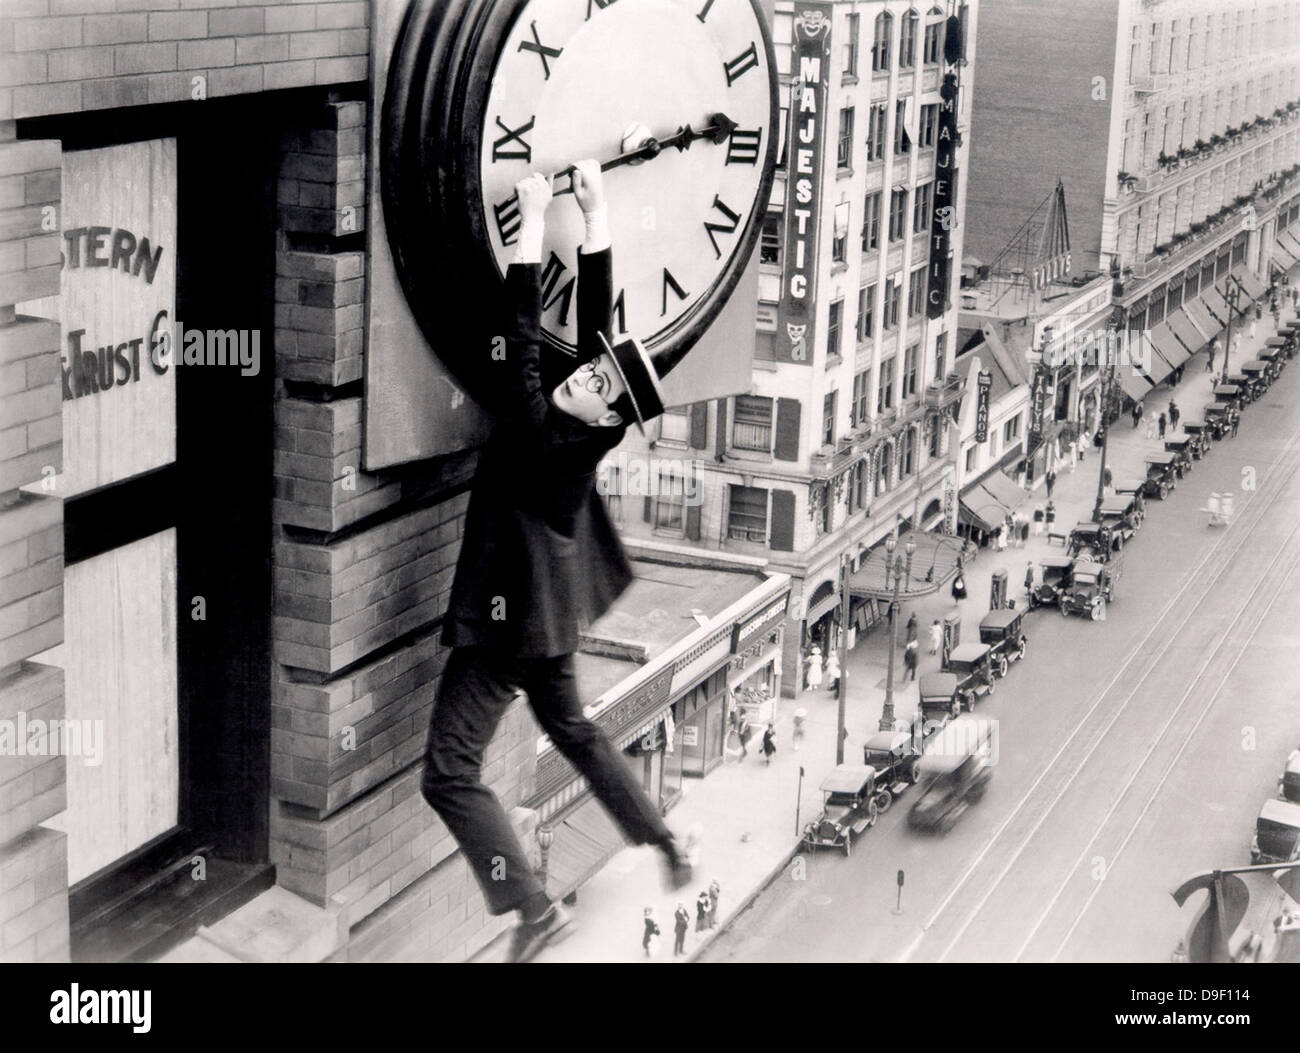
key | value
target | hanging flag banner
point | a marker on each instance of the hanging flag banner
(983, 385)
(811, 68)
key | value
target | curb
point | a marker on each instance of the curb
(745, 903)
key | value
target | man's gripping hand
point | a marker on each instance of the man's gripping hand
(534, 195)
(589, 189)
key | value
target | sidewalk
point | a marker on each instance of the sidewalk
(747, 808)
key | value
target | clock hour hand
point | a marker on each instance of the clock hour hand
(720, 126)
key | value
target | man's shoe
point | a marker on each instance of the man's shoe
(529, 938)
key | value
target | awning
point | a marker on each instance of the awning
(1003, 490)
(979, 509)
(933, 563)
(584, 842)
(1209, 326)
(1289, 254)
(1255, 288)
(1188, 335)
(1212, 300)
(1290, 241)
(818, 609)
(1169, 349)
(1134, 386)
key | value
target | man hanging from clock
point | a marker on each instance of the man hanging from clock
(538, 559)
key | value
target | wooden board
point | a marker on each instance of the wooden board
(119, 660)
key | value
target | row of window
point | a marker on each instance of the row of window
(1199, 277)
(1199, 42)
(1194, 119)
(877, 126)
(921, 209)
(1010, 433)
(882, 42)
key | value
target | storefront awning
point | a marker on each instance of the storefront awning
(1205, 322)
(1134, 386)
(1255, 288)
(827, 603)
(585, 839)
(933, 563)
(1290, 241)
(978, 509)
(1290, 253)
(1169, 349)
(1212, 300)
(1188, 334)
(1003, 490)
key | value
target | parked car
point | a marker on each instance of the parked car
(940, 698)
(1249, 392)
(1217, 419)
(1091, 589)
(1288, 784)
(1229, 395)
(1004, 632)
(1181, 447)
(1275, 355)
(1259, 374)
(1053, 575)
(849, 807)
(955, 771)
(1199, 432)
(1277, 833)
(1093, 541)
(1123, 514)
(1162, 474)
(972, 665)
(897, 761)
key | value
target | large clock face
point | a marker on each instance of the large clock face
(570, 79)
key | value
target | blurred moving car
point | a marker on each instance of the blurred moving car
(956, 768)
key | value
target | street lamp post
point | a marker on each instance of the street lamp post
(842, 688)
(1232, 295)
(898, 568)
(1107, 405)
(545, 838)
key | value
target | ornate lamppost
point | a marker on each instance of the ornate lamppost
(898, 567)
(545, 838)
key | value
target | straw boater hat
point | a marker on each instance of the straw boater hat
(639, 376)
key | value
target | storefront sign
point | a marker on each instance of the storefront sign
(944, 216)
(1037, 403)
(117, 306)
(690, 735)
(743, 635)
(811, 67)
(949, 484)
(983, 385)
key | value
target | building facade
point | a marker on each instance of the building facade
(844, 433)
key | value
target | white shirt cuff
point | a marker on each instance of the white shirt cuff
(529, 248)
(597, 237)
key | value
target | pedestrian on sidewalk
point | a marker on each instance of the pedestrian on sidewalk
(1209, 359)
(1174, 414)
(1234, 419)
(910, 656)
(833, 673)
(743, 733)
(682, 924)
(800, 719)
(1024, 531)
(650, 937)
(1000, 536)
(1038, 522)
(814, 663)
(702, 911)
(1029, 579)
(1074, 453)
(715, 893)
(1136, 413)
(1162, 426)
(936, 636)
(769, 742)
(1050, 481)
(911, 628)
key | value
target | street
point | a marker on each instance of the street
(1133, 752)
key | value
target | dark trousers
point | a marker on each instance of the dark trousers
(477, 687)
(679, 944)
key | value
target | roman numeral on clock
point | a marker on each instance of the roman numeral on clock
(508, 219)
(602, 4)
(553, 292)
(542, 51)
(741, 64)
(742, 146)
(705, 13)
(671, 283)
(503, 151)
(721, 228)
(619, 311)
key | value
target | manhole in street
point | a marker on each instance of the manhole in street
(820, 901)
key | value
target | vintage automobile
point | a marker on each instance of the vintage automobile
(1181, 447)
(1260, 375)
(849, 807)
(1004, 631)
(1217, 419)
(1093, 541)
(972, 665)
(1248, 392)
(1200, 433)
(940, 698)
(1275, 355)
(1091, 588)
(1229, 395)
(1277, 833)
(1053, 576)
(1162, 474)
(955, 771)
(897, 762)
(1123, 514)
(1288, 785)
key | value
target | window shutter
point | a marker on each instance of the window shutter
(720, 439)
(693, 522)
(698, 435)
(782, 532)
(647, 512)
(787, 430)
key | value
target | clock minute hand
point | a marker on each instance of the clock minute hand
(720, 126)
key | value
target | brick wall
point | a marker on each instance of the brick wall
(73, 55)
(363, 563)
(33, 861)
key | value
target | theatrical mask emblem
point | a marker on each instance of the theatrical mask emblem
(947, 216)
(796, 335)
(813, 22)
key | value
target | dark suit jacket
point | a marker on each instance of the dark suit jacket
(539, 557)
